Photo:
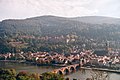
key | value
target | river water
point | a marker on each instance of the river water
(79, 75)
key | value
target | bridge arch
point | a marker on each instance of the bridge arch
(72, 69)
(77, 67)
(59, 72)
(66, 71)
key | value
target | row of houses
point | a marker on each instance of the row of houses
(86, 57)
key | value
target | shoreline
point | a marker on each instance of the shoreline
(57, 65)
(32, 63)
(102, 69)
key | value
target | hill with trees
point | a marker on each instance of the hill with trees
(92, 27)
(53, 25)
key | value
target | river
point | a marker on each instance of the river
(80, 75)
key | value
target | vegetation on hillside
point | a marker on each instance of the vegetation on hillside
(10, 74)
(13, 34)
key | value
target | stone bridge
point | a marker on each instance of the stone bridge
(67, 70)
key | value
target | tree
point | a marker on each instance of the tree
(4, 47)
(36, 76)
(23, 75)
(7, 74)
(51, 76)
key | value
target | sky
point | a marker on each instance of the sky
(21, 9)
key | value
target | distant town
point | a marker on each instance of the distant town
(69, 52)
(79, 47)
(63, 51)
(59, 40)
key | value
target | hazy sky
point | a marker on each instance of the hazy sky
(66, 8)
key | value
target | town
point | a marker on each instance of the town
(62, 51)
(86, 58)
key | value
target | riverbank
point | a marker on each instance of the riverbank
(79, 75)
(32, 63)
(102, 69)
(58, 65)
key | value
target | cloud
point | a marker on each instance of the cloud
(68, 8)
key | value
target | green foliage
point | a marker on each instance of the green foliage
(51, 76)
(10, 74)
(7, 74)
(4, 47)
(27, 76)
(52, 26)
(23, 78)
(35, 76)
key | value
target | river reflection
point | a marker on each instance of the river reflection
(79, 75)
(95, 75)
(27, 67)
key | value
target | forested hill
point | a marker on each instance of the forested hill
(91, 26)
(98, 20)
